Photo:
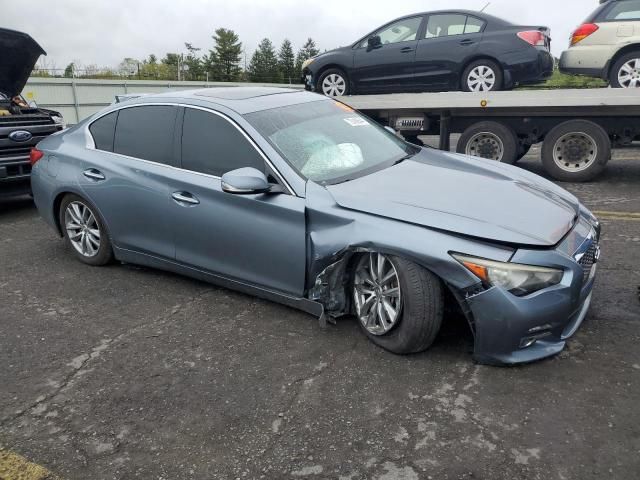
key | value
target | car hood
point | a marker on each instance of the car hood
(18, 55)
(465, 195)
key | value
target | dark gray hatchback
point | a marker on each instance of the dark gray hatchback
(298, 198)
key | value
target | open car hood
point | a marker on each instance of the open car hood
(465, 195)
(18, 55)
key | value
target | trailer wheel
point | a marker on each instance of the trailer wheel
(491, 140)
(576, 151)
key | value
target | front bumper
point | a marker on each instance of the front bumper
(512, 330)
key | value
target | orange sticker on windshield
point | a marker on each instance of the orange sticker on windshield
(344, 107)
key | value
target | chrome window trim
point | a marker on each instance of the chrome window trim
(90, 142)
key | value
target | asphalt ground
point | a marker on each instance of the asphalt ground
(126, 372)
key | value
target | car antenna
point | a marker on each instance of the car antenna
(485, 7)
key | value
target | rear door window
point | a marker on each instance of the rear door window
(147, 133)
(103, 131)
(445, 25)
(211, 144)
(474, 25)
(625, 10)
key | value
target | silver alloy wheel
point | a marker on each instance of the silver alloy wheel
(629, 74)
(575, 152)
(377, 294)
(334, 85)
(481, 79)
(486, 145)
(82, 229)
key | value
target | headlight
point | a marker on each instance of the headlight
(58, 120)
(518, 279)
(307, 62)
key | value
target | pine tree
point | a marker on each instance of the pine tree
(307, 51)
(264, 64)
(223, 61)
(286, 63)
(193, 63)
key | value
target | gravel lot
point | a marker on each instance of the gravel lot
(125, 372)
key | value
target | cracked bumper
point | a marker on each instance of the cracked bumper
(511, 330)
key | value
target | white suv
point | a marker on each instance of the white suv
(607, 45)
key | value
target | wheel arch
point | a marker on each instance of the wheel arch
(621, 52)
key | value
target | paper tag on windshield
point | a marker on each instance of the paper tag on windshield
(356, 122)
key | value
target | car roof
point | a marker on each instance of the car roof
(242, 100)
(485, 16)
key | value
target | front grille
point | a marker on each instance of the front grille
(587, 261)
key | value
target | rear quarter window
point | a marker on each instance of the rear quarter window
(103, 131)
(627, 10)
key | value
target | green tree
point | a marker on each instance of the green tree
(307, 51)
(68, 72)
(223, 61)
(193, 63)
(264, 64)
(286, 63)
(172, 63)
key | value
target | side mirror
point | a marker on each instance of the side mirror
(245, 181)
(374, 42)
(33, 104)
(390, 130)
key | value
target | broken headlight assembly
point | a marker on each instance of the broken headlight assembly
(518, 279)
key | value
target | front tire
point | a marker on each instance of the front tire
(399, 305)
(482, 76)
(84, 231)
(576, 151)
(625, 73)
(333, 83)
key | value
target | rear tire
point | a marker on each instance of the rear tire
(333, 82)
(490, 140)
(576, 151)
(84, 231)
(419, 304)
(482, 76)
(625, 73)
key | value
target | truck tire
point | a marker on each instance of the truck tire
(491, 140)
(399, 305)
(576, 151)
(625, 73)
(333, 82)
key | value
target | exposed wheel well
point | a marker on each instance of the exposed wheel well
(56, 210)
(623, 51)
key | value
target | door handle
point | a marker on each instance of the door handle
(406, 50)
(185, 197)
(93, 174)
(467, 42)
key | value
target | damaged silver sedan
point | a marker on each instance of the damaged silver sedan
(297, 198)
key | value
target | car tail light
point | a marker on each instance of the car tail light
(35, 155)
(583, 32)
(533, 37)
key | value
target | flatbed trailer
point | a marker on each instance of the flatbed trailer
(578, 128)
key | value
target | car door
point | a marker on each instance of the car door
(256, 239)
(128, 175)
(389, 65)
(449, 40)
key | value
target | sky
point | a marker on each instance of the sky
(103, 32)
